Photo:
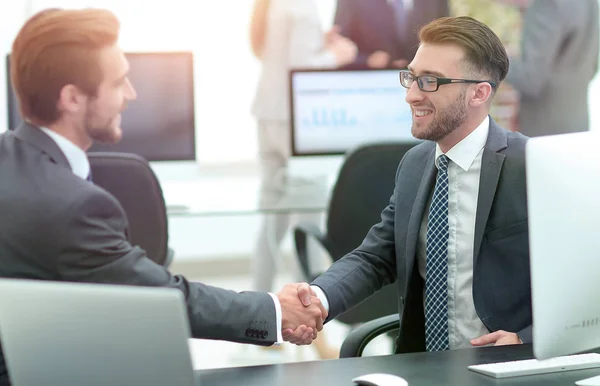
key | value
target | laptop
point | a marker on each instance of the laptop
(73, 334)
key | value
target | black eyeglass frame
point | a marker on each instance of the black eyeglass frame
(440, 81)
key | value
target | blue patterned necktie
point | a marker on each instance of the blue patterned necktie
(89, 177)
(436, 267)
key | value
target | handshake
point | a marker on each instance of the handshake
(302, 312)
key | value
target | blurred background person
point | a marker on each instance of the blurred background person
(386, 31)
(558, 60)
(505, 19)
(285, 34)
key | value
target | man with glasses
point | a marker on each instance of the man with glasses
(454, 235)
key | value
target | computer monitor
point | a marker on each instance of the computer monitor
(160, 124)
(333, 111)
(563, 181)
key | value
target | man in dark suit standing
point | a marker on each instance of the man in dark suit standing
(385, 31)
(454, 235)
(71, 80)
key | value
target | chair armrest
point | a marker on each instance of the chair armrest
(301, 232)
(357, 340)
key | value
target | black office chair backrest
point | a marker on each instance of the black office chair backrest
(130, 179)
(363, 189)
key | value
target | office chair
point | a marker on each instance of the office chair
(129, 178)
(356, 341)
(363, 189)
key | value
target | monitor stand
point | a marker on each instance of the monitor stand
(594, 381)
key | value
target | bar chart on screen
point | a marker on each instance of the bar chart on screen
(334, 111)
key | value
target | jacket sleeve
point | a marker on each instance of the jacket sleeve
(526, 334)
(96, 250)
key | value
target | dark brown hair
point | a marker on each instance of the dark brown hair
(484, 52)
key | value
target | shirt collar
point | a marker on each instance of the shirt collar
(77, 158)
(464, 153)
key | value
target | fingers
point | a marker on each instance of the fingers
(488, 338)
(304, 294)
(324, 312)
(296, 336)
(509, 338)
(316, 312)
(307, 337)
(319, 324)
(300, 336)
(286, 334)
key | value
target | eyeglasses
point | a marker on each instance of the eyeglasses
(431, 83)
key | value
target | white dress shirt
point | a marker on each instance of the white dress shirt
(81, 168)
(464, 170)
(76, 157)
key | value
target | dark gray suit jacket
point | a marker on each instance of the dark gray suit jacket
(57, 226)
(559, 58)
(501, 288)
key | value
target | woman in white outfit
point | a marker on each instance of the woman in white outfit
(285, 34)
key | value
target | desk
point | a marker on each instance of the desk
(421, 369)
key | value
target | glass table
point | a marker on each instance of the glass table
(206, 197)
(226, 196)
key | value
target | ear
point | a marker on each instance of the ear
(71, 99)
(482, 94)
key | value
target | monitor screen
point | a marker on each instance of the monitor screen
(160, 124)
(333, 111)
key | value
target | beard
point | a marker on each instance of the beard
(102, 130)
(445, 121)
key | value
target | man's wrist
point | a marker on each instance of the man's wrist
(320, 294)
(278, 317)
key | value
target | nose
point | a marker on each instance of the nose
(414, 94)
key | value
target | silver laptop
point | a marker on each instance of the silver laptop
(93, 334)
(563, 192)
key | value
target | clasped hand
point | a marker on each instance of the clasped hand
(303, 313)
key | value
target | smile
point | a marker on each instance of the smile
(422, 113)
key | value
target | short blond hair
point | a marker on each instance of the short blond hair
(54, 48)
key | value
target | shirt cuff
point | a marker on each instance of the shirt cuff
(278, 318)
(321, 295)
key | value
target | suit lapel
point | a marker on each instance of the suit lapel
(414, 225)
(491, 167)
(37, 138)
